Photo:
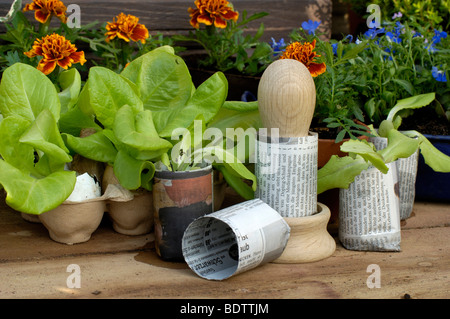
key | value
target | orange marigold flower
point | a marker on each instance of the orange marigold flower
(44, 9)
(305, 54)
(55, 50)
(126, 27)
(212, 11)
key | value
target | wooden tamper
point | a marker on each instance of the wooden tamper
(286, 99)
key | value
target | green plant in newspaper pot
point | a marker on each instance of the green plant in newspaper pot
(138, 111)
(339, 172)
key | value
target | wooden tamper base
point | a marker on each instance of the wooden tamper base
(309, 240)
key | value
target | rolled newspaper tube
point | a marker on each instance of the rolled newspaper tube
(235, 239)
(286, 172)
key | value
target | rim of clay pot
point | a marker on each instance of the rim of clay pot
(183, 174)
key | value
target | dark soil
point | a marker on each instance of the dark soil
(426, 121)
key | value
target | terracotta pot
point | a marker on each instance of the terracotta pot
(72, 223)
(179, 198)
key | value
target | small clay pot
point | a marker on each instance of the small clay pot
(73, 223)
(309, 240)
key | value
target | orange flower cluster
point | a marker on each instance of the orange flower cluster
(55, 50)
(126, 27)
(212, 11)
(44, 9)
(305, 54)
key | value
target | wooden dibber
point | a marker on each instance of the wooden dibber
(286, 98)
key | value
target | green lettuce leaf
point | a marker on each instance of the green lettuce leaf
(26, 92)
(35, 196)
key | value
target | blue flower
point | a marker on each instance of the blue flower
(393, 37)
(439, 75)
(311, 26)
(438, 35)
(334, 46)
(278, 46)
(373, 32)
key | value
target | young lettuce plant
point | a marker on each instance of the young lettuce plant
(33, 154)
(138, 111)
(339, 172)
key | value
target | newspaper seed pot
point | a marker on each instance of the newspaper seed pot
(309, 240)
(235, 239)
(286, 172)
(130, 215)
(179, 198)
(79, 216)
(369, 216)
(407, 175)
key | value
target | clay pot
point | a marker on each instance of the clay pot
(179, 198)
(73, 223)
(309, 240)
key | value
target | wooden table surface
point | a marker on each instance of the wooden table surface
(112, 265)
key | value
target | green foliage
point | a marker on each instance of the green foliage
(229, 49)
(339, 172)
(137, 113)
(433, 12)
(337, 104)
(32, 152)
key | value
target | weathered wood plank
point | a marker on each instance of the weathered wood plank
(419, 271)
(118, 266)
(172, 16)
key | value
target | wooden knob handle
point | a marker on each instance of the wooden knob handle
(287, 98)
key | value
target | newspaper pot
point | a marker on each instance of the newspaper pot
(431, 185)
(235, 239)
(129, 216)
(326, 149)
(369, 214)
(407, 174)
(179, 198)
(309, 239)
(73, 222)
